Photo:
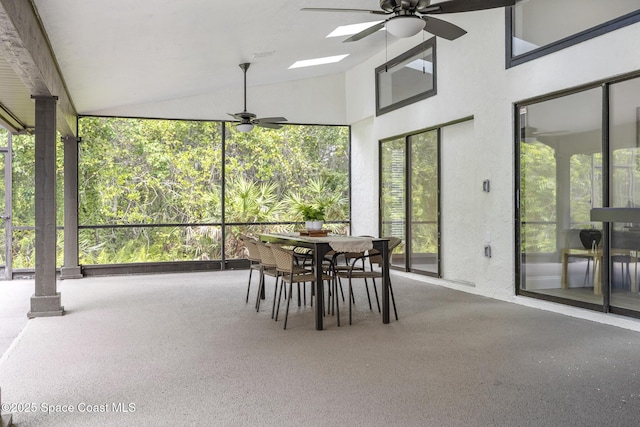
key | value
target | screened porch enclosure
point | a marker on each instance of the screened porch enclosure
(172, 195)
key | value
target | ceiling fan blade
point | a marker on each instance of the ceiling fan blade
(270, 119)
(454, 6)
(366, 32)
(268, 125)
(441, 28)
(235, 116)
(324, 9)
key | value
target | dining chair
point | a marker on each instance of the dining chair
(253, 255)
(292, 273)
(342, 262)
(269, 268)
(375, 259)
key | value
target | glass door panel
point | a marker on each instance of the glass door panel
(624, 140)
(560, 182)
(393, 195)
(424, 202)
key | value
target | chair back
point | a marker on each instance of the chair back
(252, 249)
(393, 243)
(350, 258)
(283, 258)
(266, 255)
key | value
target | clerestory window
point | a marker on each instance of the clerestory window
(538, 27)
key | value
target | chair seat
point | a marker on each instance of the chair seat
(270, 271)
(291, 273)
(301, 270)
(304, 277)
(359, 274)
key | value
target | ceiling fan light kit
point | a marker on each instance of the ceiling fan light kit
(405, 26)
(244, 127)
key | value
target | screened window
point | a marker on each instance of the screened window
(23, 230)
(539, 27)
(173, 190)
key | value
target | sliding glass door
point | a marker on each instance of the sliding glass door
(423, 203)
(560, 182)
(409, 200)
(393, 189)
(624, 142)
(578, 152)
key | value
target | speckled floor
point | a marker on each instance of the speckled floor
(185, 349)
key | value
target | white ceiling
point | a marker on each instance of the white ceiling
(179, 58)
(121, 52)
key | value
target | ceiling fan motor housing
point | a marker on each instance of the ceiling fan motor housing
(397, 6)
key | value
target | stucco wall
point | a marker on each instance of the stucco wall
(473, 81)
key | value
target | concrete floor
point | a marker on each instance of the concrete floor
(185, 349)
(14, 304)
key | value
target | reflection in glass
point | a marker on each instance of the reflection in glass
(538, 23)
(406, 79)
(560, 182)
(625, 170)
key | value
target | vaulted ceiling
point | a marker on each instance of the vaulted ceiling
(119, 53)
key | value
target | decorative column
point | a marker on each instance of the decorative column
(70, 269)
(5, 419)
(46, 300)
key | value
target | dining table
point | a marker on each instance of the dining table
(321, 246)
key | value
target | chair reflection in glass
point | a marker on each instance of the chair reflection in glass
(591, 239)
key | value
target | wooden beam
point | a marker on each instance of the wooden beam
(26, 48)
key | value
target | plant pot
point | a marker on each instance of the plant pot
(313, 225)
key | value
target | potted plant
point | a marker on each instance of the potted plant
(313, 216)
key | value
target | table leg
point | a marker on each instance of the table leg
(634, 278)
(597, 274)
(319, 252)
(384, 251)
(565, 260)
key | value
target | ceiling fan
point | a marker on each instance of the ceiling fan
(533, 134)
(412, 16)
(249, 120)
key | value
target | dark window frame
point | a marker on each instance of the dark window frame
(598, 30)
(408, 197)
(605, 85)
(431, 43)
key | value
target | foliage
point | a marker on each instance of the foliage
(312, 212)
(170, 172)
(318, 202)
(23, 199)
(151, 190)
